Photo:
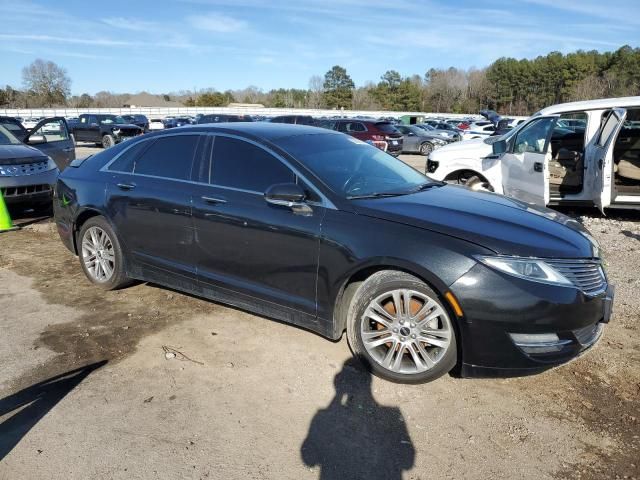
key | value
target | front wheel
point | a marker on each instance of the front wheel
(108, 141)
(400, 329)
(101, 256)
(426, 148)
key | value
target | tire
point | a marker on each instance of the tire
(407, 357)
(108, 141)
(426, 148)
(109, 251)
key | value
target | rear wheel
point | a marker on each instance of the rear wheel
(400, 329)
(101, 256)
(108, 141)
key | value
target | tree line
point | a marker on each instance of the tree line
(508, 85)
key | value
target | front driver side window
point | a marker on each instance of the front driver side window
(245, 166)
(533, 138)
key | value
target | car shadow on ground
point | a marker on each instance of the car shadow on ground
(355, 437)
(33, 403)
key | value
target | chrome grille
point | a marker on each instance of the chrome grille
(587, 275)
(23, 169)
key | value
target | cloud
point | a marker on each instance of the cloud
(131, 24)
(216, 22)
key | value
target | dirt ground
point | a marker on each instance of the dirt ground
(87, 391)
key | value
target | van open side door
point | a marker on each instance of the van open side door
(602, 157)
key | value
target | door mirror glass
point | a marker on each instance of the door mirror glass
(288, 194)
(37, 139)
(499, 147)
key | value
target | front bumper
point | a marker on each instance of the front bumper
(498, 307)
(36, 187)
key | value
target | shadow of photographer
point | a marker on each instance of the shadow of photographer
(355, 437)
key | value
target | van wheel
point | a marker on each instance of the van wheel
(108, 141)
(398, 327)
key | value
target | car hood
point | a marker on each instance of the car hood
(124, 125)
(503, 225)
(475, 148)
(19, 154)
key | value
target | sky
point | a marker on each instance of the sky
(167, 46)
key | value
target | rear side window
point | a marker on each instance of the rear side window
(240, 164)
(168, 157)
(124, 163)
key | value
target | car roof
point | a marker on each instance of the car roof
(266, 130)
(603, 103)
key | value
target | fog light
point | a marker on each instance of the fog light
(539, 342)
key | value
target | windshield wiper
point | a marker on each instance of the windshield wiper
(416, 189)
(376, 195)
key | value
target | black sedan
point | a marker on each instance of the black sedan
(321, 230)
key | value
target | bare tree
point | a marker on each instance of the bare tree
(316, 89)
(46, 82)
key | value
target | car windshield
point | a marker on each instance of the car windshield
(7, 138)
(108, 119)
(352, 168)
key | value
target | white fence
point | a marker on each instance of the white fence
(160, 112)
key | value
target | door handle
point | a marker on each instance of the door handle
(126, 186)
(213, 200)
(68, 149)
(537, 167)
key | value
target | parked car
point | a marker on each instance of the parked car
(29, 166)
(140, 120)
(374, 131)
(223, 118)
(478, 130)
(418, 140)
(580, 153)
(156, 124)
(310, 227)
(295, 119)
(104, 130)
(173, 122)
(446, 131)
(29, 123)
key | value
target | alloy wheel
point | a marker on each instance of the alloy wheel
(406, 331)
(98, 254)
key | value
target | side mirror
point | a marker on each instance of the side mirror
(499, 147)
(36, 139)
(565, 155)
(288, 195)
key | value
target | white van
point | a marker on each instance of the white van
(585, 153)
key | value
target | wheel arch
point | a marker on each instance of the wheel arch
(359, 274)
(81, 219)
(456, 173)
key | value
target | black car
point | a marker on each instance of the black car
(318, 229)
(174, 122)
(295, 120)
(104, 129)
(140, 120)
(223, 118)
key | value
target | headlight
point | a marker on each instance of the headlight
(533, 269)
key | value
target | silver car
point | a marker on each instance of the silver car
(418, 140)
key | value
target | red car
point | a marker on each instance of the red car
(374, 131)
